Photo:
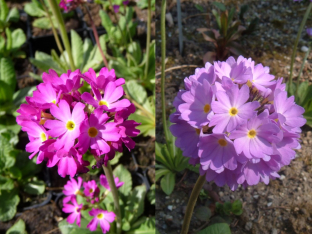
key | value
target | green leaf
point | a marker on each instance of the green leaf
(18, 228)
(203, 213)
(106, 22)
(15, 173)
(135, 203)
(138, 93)
(243, 10)
(7, 74)
(13, 15)
(200, 8)
(147, 126)
(6, 183)
(8, 122)
(8, 208)
(87, 48)
(217, 16)
(167, 183)
(26, 166)
(116, 158)
(35, 187)
(217, 228)
(134, 49)
(160, 172)
(45, 62)
(77, 48)
(34, 9)
(219, 5)
(4, 10)
(151, 194)
(19, 96)
(5, 93)
(43, 23)
(6, 159)
(124, 175)
(19, 38)
(237, 207)
(147, 227)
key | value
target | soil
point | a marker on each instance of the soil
(285, 205)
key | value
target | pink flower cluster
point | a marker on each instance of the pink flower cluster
(236, 120)
(92, 194)
(63, 124)
(69, 5)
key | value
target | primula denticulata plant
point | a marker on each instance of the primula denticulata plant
(63, 124)
(243, 126)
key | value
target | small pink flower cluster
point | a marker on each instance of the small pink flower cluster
(63, 124)
(69, 5)
(92, 193)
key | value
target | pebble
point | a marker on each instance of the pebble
(274, 8)
(169, 207)
(167, 197)
(177, 201)
(256, 196)
(282, 177)
(304, 49)
(169, 19)
(221, 194)
(248, 226)
(269, 204)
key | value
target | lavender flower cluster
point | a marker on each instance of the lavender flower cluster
(62, 124)
(93, 196)
(236, 120)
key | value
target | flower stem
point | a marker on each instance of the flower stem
(301, 69)
(191, 203)
(58, 16)
(148, 38)
(296, 42)
(97, 38)
(163, 57)
(110, 178)
(124, 38)
(56, 37)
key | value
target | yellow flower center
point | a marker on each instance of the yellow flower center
(43, 137)
(206, 108)
(90, 190)
(252, 133)
(54, 101)
(233, 111)
(197, 131)
(70, 125)
(103, 103)
(100, 216)
(222, 142)
(92, 132)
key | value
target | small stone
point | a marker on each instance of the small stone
(296, 209)
(304, 49)
(167, 197)
(256, 196)
(169, 19)
(169, 207)
(274, 231)
(164, 226)
(274, 8)
(282, 177)
(269, 204)
(221, 194)
(177, 201)
(304, 178)
(248, 226)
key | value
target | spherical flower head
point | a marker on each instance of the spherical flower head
(251, 129)
(91, 189)
(74, 209)
(102, 217)
(105, 184)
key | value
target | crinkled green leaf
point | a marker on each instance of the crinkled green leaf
(135, 203)
(167, 183)
(6, 183)
(45, 62)
(19, 38)
(76, 48)
(147, 226)
(13, 15)
(124, 175)
(4, 10)
(34, 187)
(8, 208)
(34, 9)
(18, 228)
(217, 228)
(7, 74)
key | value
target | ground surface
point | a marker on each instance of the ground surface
(285, 205)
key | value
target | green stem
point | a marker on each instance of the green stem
(56, 38)
(191, 203)
(301, 68)
(58, 16)
(110, 178)
(163, 57)
(148, 37)
(296, 42)
(97, 38)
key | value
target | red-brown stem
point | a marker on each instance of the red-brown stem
(97, 38)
